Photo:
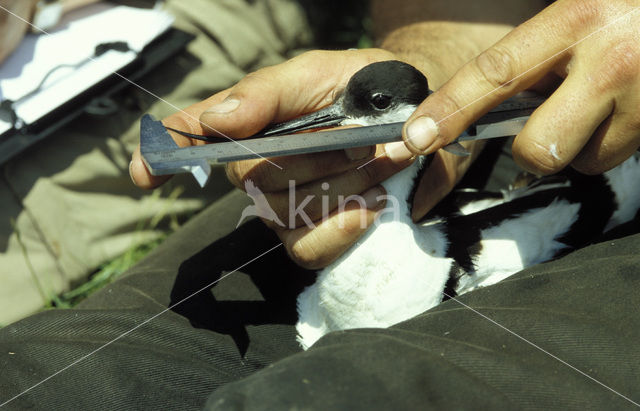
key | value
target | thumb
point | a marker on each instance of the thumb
(277, 93)
(271, 94)
(246, 110)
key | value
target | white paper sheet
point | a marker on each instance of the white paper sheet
(73, 41)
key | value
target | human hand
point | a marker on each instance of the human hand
(301, 85)
(591, 120)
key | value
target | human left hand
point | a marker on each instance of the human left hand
(328, 223)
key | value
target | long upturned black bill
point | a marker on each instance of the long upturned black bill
(329, 116)
(326, 117)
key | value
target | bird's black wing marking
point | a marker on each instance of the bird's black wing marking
(594, 195)
(598, 204)
(464, 231)
(455, 272)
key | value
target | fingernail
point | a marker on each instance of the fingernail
(131, 173)
(398, 152)
(374, 197)
(359, 153)
(421, 133)
(226, 106)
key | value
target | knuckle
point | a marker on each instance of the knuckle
(314, 54)
(496, 66)
(620, 67)
(308, 57)
(253, 77)
(255, 83)
(583, 13)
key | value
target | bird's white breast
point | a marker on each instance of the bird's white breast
(395, 271)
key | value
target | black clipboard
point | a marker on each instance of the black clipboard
(165, 46)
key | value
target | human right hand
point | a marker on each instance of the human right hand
(591, 121)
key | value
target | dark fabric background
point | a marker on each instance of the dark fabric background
(234, 343)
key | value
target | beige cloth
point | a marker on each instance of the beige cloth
(70, 197)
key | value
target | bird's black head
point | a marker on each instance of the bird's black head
(383, 86)
(382, 92)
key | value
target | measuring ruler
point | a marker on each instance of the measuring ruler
(162, 155)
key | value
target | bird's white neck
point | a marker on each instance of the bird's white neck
(396, 114)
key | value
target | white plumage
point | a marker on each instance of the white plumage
(399, 269)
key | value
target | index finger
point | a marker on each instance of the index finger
(516, 62)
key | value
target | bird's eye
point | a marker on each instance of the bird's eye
(381, 101)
